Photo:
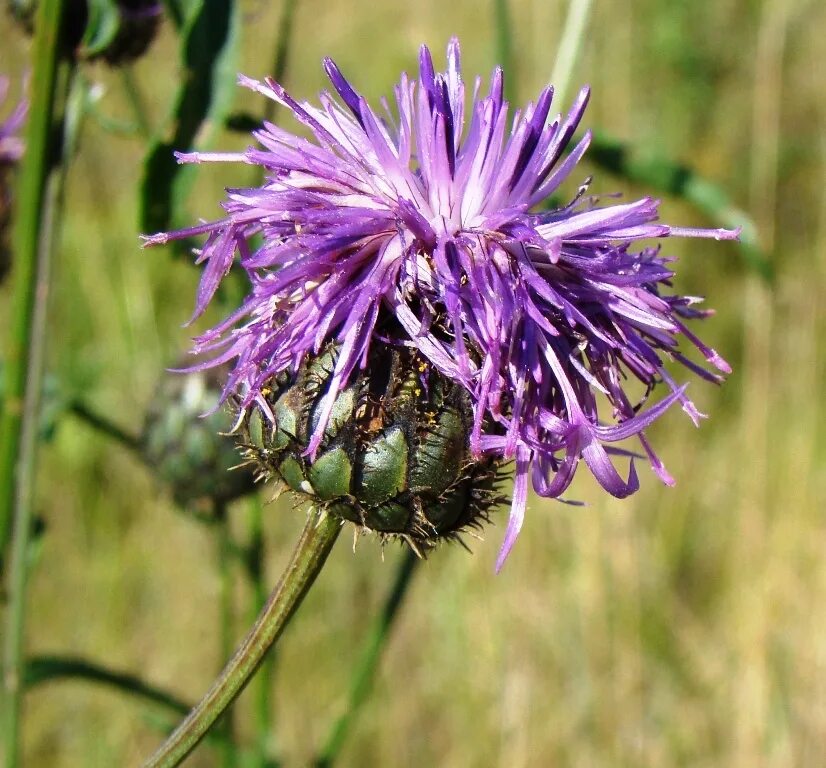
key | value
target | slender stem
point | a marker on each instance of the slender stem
(40, 670)
(366, 669)
(35, 239)
(504, 47)
(569, 46)
(265, 746)
(175, 12)
(225, 618)
(282, 51)
(317, 539)
(104, 425)
(46, 669)
(136, 102)
(29, 204)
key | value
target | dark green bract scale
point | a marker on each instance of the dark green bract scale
(395, 455)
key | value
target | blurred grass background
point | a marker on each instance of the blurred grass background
(681, 627)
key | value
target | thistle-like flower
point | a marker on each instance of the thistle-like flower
(426, 226)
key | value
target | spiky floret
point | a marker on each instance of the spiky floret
(394, 457)
(436, 220)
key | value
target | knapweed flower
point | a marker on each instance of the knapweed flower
(431, 214)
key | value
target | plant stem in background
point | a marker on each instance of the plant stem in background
(37, 213)
(105, 426)
(282, 52)
(570, 44)
(670, 178)
(34, 172)
(317, 539)
(46, 669)
(366, 669)
(40, 670)
(136, 102)
(504, 47)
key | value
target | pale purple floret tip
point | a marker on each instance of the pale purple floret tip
(429, 214)
(11, 127)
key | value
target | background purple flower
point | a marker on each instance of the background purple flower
(428, 213)
(11, 144)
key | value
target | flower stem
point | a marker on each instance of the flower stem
(136, 102)
(282, 52)
(504, 47)
(569, 47)
(29, 205)
(106, 427)
(366, 669)
(317, 539)
(35, 238)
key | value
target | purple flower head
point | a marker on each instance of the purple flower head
(428, 212)
(11, 145)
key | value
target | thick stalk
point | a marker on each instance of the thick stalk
(29, 203)
(317, 539)
(366, 669)
(35, 238)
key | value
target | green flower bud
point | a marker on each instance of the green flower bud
(395, 456)
(190, 452)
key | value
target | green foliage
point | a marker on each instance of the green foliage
(209, 49)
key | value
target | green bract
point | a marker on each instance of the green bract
(395, 455)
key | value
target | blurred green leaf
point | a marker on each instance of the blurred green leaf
(102, 26)
(209, 49)
(680, 181)
(44, 669)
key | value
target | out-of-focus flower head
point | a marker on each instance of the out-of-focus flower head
(11, 126)
(116, 31)
(429, 212)
(11, 150)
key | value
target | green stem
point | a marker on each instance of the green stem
(643, 167)
(366, 669)
(317, 539)
(44, 669)
(34, 171)
(35, 238)
(225, 619)
(104, 426)
(504, 47)
(569, 47)
(282, 52)
(136, 102)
